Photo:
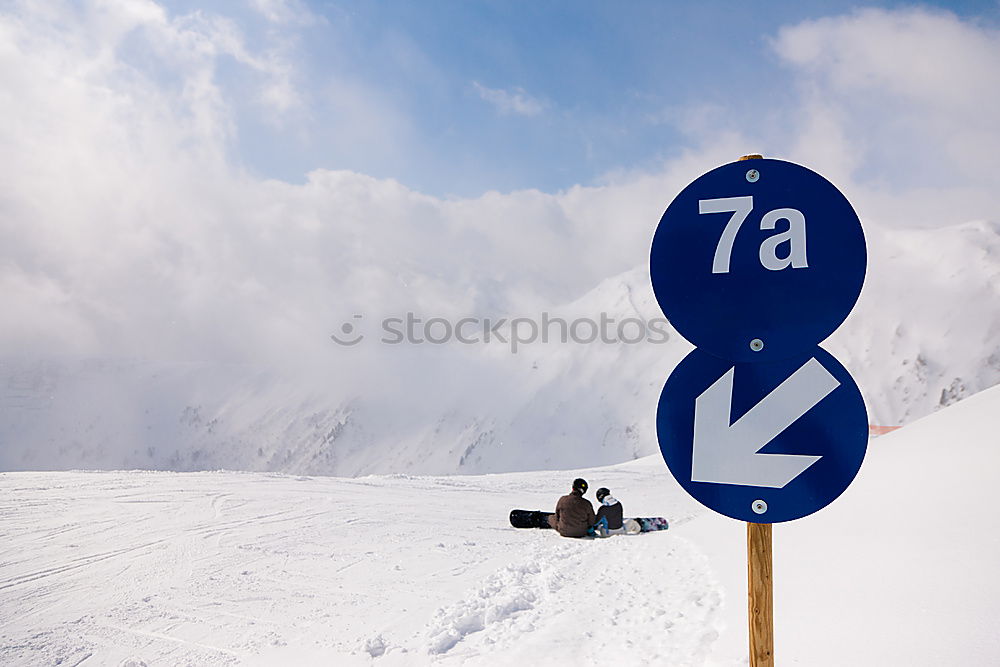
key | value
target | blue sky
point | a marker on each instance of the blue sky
(463, 97)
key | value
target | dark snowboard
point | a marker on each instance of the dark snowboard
(539, 519)
(530, 519)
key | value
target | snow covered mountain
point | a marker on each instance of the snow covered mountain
(924, 335)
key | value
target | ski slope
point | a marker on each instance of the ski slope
(218, 568)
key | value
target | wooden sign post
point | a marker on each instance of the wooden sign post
(760, 598)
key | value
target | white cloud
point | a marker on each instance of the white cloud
(929, 58)
(218, 36)
(903, 102)
(511, 101)
(126, 228)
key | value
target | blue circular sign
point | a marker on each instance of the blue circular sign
(762, 442)
(758, 260)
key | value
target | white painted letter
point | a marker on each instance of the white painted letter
(796, 237)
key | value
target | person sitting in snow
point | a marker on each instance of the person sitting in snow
(609, 514)
(574, 515)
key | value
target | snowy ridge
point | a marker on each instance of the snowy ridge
(921, 337)
(925, 333)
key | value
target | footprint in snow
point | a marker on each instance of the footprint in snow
(644, 601)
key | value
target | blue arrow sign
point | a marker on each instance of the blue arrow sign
(762, 442)
(758, 260)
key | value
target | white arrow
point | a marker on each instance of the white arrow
(727, 454)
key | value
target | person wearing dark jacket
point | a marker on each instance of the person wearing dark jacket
(609, 514)
(574, 514)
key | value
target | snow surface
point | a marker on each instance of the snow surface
(133, 568)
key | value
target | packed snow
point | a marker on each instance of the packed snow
(133, 568)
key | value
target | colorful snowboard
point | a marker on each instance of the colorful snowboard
(539, 519)
(650, 524)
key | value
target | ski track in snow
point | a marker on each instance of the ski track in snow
(133, 568)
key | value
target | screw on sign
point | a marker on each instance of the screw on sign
(756, 267)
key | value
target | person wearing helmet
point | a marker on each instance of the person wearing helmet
(609, 514)
(574, 514)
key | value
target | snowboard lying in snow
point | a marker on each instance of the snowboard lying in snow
(530, 519)
(539, 519)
